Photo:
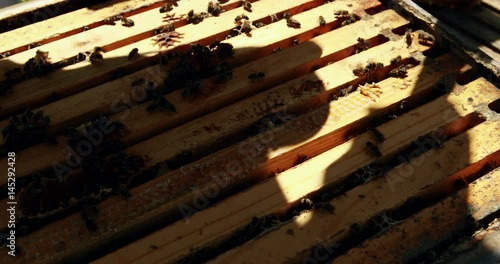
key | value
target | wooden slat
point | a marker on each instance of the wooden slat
(63, 82)
(432, 225)
(351, 209)
(67, 24)
(220, 221)
(116, 215)
(142, 124)
(494, 4)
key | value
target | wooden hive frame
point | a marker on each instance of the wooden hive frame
(308, 190)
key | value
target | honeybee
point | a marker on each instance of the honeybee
(372, 148)
(257, 76)
(85, 28)
(321, 21)
(247, 5)
(112, 20)
(34, 45)
(238, 18)
(408, 37)
(362, 43)
(341, 13)
(292, 23)
(296, 42)
(426, 38)
(214, 9)
(246, 27)
(378, 135)
(80, 57)
(126, 22)
(195, 18)
(287, 15)
(358, 70)
(42, 57)
(96, 56)
(166, 7)
(273, 17)
(399, 72)
(29, 65)
(134, 53)
(396, 61)
(349, 19)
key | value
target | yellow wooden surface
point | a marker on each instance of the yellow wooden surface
(222, 220)
(431, 225)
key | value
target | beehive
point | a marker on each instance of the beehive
(313, 162)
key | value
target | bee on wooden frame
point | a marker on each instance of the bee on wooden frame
(34, 45)
(408, 38)
(126, 22)
(362, 44)
(290, 22)
(351, 18)
(358, 70)
(287, 15)
(425, 38)
(373, 149)
(273, 17)
(238, 18)
(167, 28)
(247, 5)
(160, 103)
(341, 13)
(399, 72)
(321, 21)
(134, 53)
(96, 55)
(166, 7)
(257, 76)
(112, 20)
(396, 61)
(246, 27)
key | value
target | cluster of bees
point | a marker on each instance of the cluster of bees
(35, 66)
(190, 68)
(368, 69)
(45, 194)
(25, 130)
(346, 17)
(126, 22)
(400, 71)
